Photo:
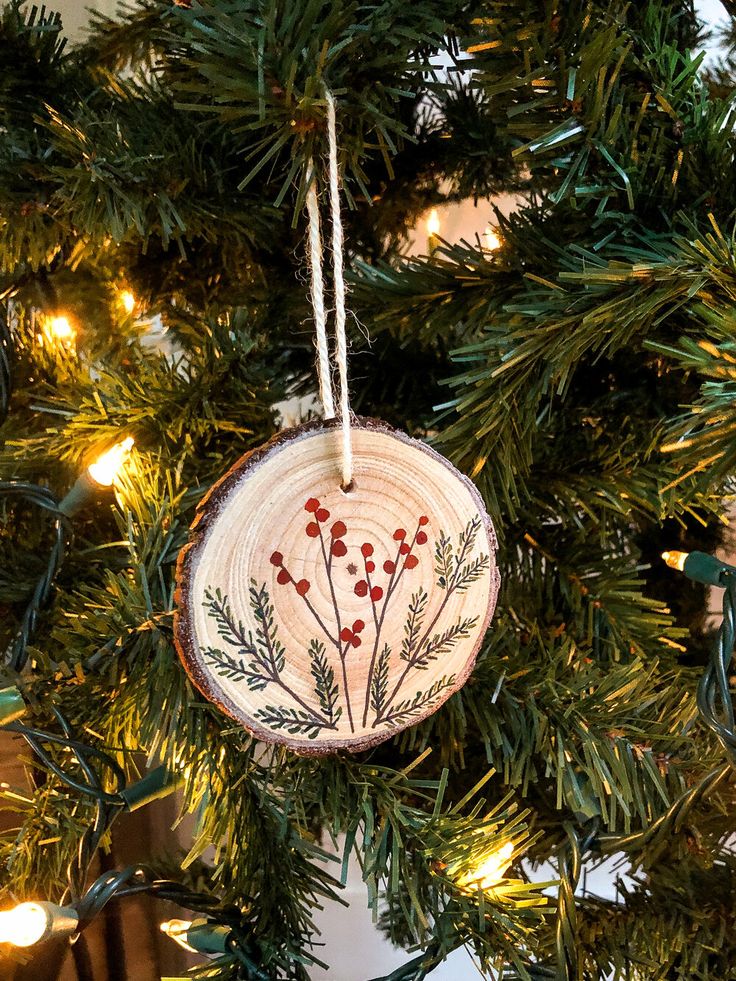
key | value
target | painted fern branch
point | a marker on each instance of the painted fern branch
(270, 649)
(466, 544)
(470, 573)
(235, 668)
(413, 625)
(379, 682)
(443, 560)
(442, 643)
(412, 707)
(231, 630)
(294, 721)
(325, 687)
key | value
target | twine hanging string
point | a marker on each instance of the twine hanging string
(324, 369)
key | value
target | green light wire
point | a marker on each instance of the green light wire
(43, 498)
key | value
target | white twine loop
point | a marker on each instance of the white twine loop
(318, 296)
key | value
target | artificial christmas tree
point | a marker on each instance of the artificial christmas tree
(581, 374)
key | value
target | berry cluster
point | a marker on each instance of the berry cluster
(363, 587)
(349, 635)
(337, 532)
(333, 545)
(302, 586)
(392, 567)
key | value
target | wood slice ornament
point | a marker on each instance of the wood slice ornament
(326, 620)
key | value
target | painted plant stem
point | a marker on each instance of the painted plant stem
(419, 650)
(396, 574)
(276, 676)
(310, 607)
(374, 654)
(342, 651)
(232, 632)
(460, 578)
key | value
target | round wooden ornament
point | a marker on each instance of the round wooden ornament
(323, 619)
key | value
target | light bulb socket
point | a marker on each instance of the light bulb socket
(707, 569)
(156, 785)
(83, 492)
(61, 921)
(34, 923)
(12, 705)
(199, 936)
(208, 938)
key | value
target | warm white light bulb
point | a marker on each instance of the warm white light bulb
(59, 330)
(491, 239)
(128, 301)
(433, 223)
(675, 560)
(177, 930)
(491, 871)
(106, 468)
(24, 925)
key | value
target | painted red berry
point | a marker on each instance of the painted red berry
(366, 549)
(421, 538)
(313, 529)
(356, 641)
(358, 626)
(311, 505)
(339, 530)
(302, 587)
(424, 520)
(411, 561)
(376, 594)
(404, 548)
(277, 558)
(283, 577)
(339, 547)
(399, 535)
(322, 514)
(389, 567)
(346, 634)
(370, 566)
(361, 588)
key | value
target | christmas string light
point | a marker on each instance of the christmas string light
(491, 870)
(433, 232)
(12, 705)
(32, 923)
(492, 240)
(128, 301)
(100, 474)
(224, 930)
(88, 770)
(58, 330)
(714, 691)
(107, 467)
(198, 936)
